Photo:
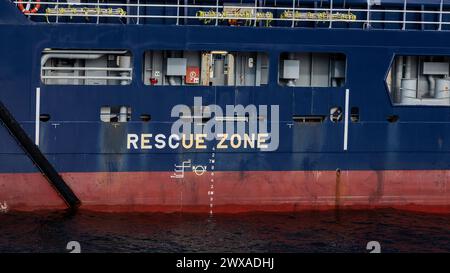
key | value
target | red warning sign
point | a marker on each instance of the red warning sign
(192, 75)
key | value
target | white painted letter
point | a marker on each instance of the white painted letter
(160, 143)
(222, 138)
(132, 139)
(262, 141)
(171, 144)
(145, 140)
(191, 141)
(200, 141)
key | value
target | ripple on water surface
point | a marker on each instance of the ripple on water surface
(397, 231)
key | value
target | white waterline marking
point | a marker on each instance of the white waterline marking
(38, 113)
(347, 95)
(212, 161)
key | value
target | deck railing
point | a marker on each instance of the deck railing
(124, 71)
(248, 15)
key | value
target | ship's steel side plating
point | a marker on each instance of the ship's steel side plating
(393, 155)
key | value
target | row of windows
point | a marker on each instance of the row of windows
(412, 80)
(191, 68)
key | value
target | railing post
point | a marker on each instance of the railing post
(217, 12)
(178, 12)
(57, 11)
(440, 15)
(256, 11)
(331, 14)
(138, 12)
(128, 12)
(28, 7)
(98, 11)
(404, 15)
(293, 13)
(186, 11)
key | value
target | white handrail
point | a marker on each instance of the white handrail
(245, 18)
(298, 14)
(86, 68)
(231, 6)
(45, 77)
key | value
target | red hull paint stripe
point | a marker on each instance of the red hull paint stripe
(230, 192)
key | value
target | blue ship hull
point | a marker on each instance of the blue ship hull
(406, 153)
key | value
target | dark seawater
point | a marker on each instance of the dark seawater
(348, 231)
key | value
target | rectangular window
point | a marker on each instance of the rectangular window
(205, 68)
(419, 80)
(86, 67)
(306, 69)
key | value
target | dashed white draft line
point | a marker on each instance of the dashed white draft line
(212, 161)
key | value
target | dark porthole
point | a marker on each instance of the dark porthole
(393, 118)
(145, 117)
(44, 117)
(354, 114)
